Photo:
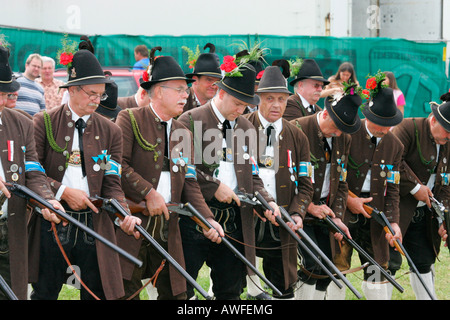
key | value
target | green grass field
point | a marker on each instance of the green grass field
(442, 269)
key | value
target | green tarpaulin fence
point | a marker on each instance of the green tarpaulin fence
(420, 68)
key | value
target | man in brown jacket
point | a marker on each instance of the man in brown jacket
(308, 85)
(285, 168)
(374, 177)
(225, 143)
(206, 73)
(424, 174)
(19, 164)
(329, 133)
(158, 168)
(81, 152)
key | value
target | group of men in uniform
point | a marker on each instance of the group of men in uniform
(199, 144)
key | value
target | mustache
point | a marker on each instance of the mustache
(93, 105)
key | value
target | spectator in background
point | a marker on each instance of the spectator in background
(52, 93)
(31, 94)
(141, 57)
(345, 73)
(398, 94)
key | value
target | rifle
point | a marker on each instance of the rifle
(7, 289)
(38, 202)
(443, 217)
(304, 236)
(113, 206)
(380, 217)
(247, 199)
(204, 224)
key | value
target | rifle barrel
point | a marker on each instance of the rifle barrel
(238, 254)
(303, 234)
(361, 251)
(119, 210)
(40, 202)
(7, 289)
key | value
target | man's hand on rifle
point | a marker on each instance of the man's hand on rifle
(344, 229)
(128, 225)
(356, 205)
(270, 215)
(443, 234)
(50, 215)
(424, 194)
(77, 199)
(226, 195)
(320, 211)
(397, 234)
(156, 205)
(298, 222)
(215, 234)
(4, 189)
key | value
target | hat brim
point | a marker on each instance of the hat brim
(87, 81)
(437, 114)
(274, 90)
(381, 121)
(342, 125)
(12, 86)
(207, 74)
(321, 79)
(147, 84)
(254, 100)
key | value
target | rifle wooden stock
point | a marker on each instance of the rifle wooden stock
(113, 206)
(303, 235)
(386, 226)
(37, 201)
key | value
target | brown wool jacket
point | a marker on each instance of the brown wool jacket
(141, 173)
(295, 108)
(385, 192)
(295, 141)
(100, 134)
(200, 120)
(413, 171)
(19, 129)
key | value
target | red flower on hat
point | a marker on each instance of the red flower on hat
(371, 83)
(66, 58)
(145, 76)
(228, 64)
(366, 93)
(260, 74)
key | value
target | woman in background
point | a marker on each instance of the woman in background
(398, 94)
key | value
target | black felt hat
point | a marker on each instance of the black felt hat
(241, 87)
(344, 111)
(273, 79)
(7, 81)
(163, 68)
(309, 70)
(381, 109)
(85, 70)
(109, 107)
(208, 64)
(442, 114)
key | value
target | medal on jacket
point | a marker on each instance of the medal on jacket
(292, 169)
(10, 150)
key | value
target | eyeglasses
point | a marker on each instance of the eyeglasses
(92, 96)
(179, 90)
(12, 96)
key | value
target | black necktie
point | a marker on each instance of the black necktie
(166, 142)
(268, 133)
(80, 125)
(374, 140)
(327, 149)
